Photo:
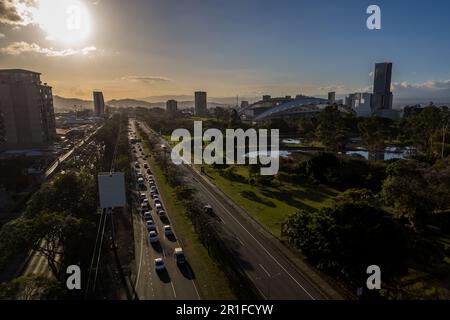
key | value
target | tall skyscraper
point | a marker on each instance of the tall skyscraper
(200, 103)
(99, 104)
(26, 109)
(331, 97)
(382, 95)
(171, 106)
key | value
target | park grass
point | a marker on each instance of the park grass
(212, 282)
(271, 205)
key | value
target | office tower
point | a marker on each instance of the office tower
(26, 109)
(99, 104)
(331, 97)
(171, 106)
(200, 103)
(382, 95)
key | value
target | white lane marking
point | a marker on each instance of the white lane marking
(140, 259)
(240, 241)
(268, 253)
(265, 270)
(173, 289)
(196, 291)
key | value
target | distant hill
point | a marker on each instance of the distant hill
(67, 104)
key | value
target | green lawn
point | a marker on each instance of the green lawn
(212, 282)
(271, 205)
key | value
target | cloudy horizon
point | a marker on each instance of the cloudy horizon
(247, 48)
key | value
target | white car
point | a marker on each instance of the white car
(153, 236)
(168, 230)
(142, 196)
(158, 207)
(159, 264)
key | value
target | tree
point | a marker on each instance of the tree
(235, 119)
(424, 130)
(345, 240)
(331, 130)
(408, 192)
(307, 127)
(373, 132)
(32, 287)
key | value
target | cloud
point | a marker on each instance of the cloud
(2, 35)
(336, 88)
(16, 12)
(147, 79)
(17, 48)
(427, 89)
(371, 74)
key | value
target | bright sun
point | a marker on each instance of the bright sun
(64, 21)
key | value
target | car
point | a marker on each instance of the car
(141, 182)
(145, 207)
(139, 175)
(159, 264)
(178, 254)
(136, 164)
(208, 209)
(154, 195)
(142, 196)
(156, 201)
(145, 200)
(153, 188)
(150, 225)
(149, 171)
(153, 236)
(148, 216)
(168, 230)
(145, 166)
(161, 213)
(150, 176)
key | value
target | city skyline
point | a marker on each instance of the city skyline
(173, 48)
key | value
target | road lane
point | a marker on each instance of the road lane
(175, 282)
(279, 279)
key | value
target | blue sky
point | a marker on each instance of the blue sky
(245, 47)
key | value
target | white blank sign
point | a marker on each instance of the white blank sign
(111, 189)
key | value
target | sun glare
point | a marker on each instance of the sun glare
(65, 21)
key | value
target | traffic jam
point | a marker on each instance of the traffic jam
(150, 206)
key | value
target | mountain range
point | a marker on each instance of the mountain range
(66, 104)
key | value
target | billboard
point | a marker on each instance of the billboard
(111, 189)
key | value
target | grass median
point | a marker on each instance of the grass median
(270, 205)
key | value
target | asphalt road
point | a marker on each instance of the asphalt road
(177, 282)
(272, 272)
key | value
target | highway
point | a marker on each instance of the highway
(177, 282)
(269, 269)
(36, 262)
(55, 164)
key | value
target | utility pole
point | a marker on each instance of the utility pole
(444, 133)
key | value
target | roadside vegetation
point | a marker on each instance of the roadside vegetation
(345, 212)
(60, 220)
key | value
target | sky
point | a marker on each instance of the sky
(142, 48)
